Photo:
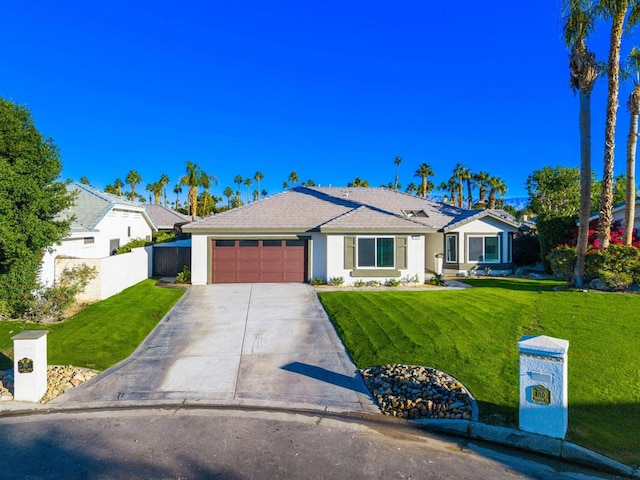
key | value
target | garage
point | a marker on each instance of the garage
(258, 261)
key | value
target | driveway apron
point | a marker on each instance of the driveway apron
(236, 344)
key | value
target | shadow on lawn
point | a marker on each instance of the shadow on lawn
(6, 363)
(515, 284)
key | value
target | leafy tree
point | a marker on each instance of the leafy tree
(133, 178)
(31, 197)
(358, 182)
(616, 11)
(397, 163)
(84, 180)
(583, 75)
(424, 171)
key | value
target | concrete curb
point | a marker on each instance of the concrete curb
(533, 442)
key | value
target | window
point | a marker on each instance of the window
(484, 249)
(376, 252)
(452, 249)
(225, 243)
(88, 240)
(248, 243)
(129, 232)
(295, 243)
(272, 243)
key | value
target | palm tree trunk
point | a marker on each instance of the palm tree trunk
(470, 199)
(585, 188)
(630, 206)
(606, 203)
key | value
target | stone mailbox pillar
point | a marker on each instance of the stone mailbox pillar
(30, 365)
(543, 385)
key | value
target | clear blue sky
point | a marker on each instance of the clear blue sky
(332, 90)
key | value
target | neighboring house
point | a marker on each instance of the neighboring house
(618, 213)
(100, 223)
(353, 233)
(166, 218)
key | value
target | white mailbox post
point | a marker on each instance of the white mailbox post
(30, 365)
(543, 385)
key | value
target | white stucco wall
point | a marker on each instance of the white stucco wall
(199, 259)
(318, 254)
(117, 224)
(335, 259)
(114, 273)
(434, 244)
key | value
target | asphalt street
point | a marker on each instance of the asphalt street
(226, 443)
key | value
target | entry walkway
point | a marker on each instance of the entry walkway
(236, 344)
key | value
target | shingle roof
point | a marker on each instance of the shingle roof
(91, 205)
(166, 218)
(303, 209)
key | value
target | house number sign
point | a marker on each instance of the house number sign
(540, 394)
(25, 365)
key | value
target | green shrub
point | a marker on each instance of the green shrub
(526, 249)
(136, 243)
(317, 281)
(359, 283)
(336, 281)
(164, 236)
(52, 302)
(373, 283)
(616, 281)
(562, 259)
(617, 259)
(184, 276)
(393, 282)
(437, 280)
(410, 280)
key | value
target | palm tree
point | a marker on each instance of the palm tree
(424, 171)
(285, 185)
(228, 192)
(358, 182)
(177, 190)
(238, 181)
(462, 173)
(156, 189)
(258, 176)
(164, 180)
(616, 11)
(248, 183)
(480, 180)
(293, 178)
(133, 178)
(264, 193)
(583, 75)
(256, 195)
(411, 188)
(118, 184)
(633, 105)
(194, 178)
(497, 186)
(397, 163)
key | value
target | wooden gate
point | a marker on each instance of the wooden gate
(169, 261)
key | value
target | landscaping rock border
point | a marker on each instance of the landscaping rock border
(415, 392)
(60, 379)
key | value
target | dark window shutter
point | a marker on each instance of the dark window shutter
(401, 253)
(349, 252)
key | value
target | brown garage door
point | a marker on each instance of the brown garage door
(258, 261)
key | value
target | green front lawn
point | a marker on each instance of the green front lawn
(102, 334)
(472, 334)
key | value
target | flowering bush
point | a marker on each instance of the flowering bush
(616, 237)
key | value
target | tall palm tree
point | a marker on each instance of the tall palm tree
(133, 178)
(164, 180)
(424, 171)
(462, 173)
(256, 195)
(497, 186)
(411, 188)
(156, 189)
(285, 185)
(228, 192)
(397, 163)
(480, 180)
(118, 184)
(177, 190)
(247, 183)
(293, 178)
(616, 11)
(195, 177)
(258, 176)
(583, 75)
(633, 105)
(238, 181)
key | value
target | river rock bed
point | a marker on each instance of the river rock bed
(60, 379)
(414, 392)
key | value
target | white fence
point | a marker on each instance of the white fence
(114, 273)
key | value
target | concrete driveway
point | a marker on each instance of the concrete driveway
(236, 344)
